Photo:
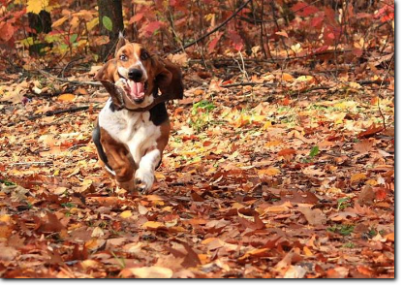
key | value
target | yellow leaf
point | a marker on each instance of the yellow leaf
(358, 177)
(153, 224)
(35, 6)
(305, 78)
(126, 214)
(91, 24)
(67, 97)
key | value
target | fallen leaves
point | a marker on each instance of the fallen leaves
(313, 216)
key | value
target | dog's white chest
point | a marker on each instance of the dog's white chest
(133, 129)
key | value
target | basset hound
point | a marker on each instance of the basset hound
(133, 127)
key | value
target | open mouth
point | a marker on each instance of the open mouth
(135, 90)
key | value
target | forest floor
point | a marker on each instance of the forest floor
(255, 183)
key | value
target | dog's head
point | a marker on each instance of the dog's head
(139, 73)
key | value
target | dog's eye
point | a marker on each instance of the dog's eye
(144, 55)
(123, 57)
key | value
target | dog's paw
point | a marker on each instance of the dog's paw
(143, 180)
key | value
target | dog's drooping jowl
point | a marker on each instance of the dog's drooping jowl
(133, 127)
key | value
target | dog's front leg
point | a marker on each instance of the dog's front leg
(144, 177)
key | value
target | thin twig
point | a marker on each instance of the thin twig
(69, 64)
(31, 163)
(383, 80)
(78, 83)
(247, 84)
(212, 31)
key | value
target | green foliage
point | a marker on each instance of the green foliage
(6, 182)
(342, 229)
(314, 151)
(343, 203)
(107, 22)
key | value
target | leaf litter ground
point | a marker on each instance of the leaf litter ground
(295, 187)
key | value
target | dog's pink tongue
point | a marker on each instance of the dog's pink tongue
(136, 89)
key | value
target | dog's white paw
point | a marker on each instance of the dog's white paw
(143, 180)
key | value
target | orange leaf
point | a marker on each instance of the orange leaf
(153, 224)
(287, 77)
(271, 171)
(67, 97)
(286, 151)
(390, 237)
(358, 177)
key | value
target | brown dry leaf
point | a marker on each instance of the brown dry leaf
(313, 216)
(50, 224)
(366, 196)
(8, 253)
(364, 146)
(372, 130)
(285, 207)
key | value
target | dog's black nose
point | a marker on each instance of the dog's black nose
(135, 74)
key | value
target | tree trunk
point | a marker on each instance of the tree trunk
(39, 23)
(113, 10)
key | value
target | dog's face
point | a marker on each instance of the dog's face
(138, 73)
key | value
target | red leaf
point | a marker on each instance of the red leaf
(6, 31)
(308, 11)
(357, 52)
(236, 39)
(152, 27)
(317, 21)
(381, 193)
(213, 43)
(303, 9)
(299, 6)
(321, 49)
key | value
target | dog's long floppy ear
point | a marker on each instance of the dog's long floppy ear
(169, 80)
(108, 72)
